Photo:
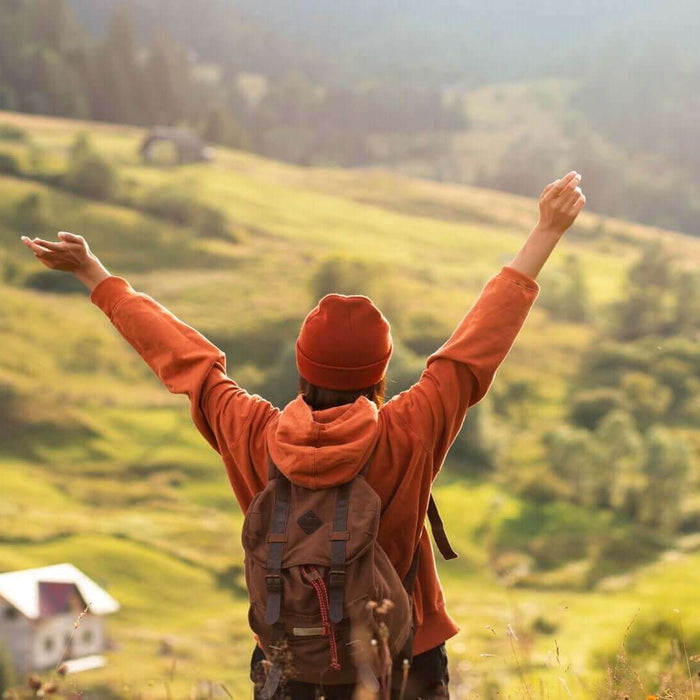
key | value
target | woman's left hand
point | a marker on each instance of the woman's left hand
(71, 253)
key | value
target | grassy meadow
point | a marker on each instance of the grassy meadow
(101, 467)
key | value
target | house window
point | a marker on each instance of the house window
(48, 644)
(10, 614)
(87, 637)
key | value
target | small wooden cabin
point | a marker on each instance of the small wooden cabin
(187, 146)
(39, 609)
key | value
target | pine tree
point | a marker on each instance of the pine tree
(119, 69)
(53, 23)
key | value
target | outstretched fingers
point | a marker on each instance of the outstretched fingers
(34, 245)
(50, 245)
(70, 237)
(548, 188)
(576, 203)
(570, 196)
(563, 186)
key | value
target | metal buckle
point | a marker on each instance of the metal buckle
(336, 579)
(273, 582)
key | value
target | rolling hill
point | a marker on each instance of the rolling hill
(100, 466)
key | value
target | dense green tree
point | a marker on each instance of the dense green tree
(514, 400)
(647, 306)
(476, 447)
(576, 300)
(575, 456)
(165, 82)
(666, 468)
(622, 448)
(54, 24)
(220, 127)
(118, 68)
(646, 398)
(589, 406)
(281, 382)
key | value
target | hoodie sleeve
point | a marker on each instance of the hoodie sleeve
(460, 372)
(187, 363)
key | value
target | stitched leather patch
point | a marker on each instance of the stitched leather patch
(308, 631)
(309, 522)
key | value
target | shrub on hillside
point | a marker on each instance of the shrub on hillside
(92, 177)
(30, 213)
(53, 281)
(173, 205)
(9, 403)
(342, 274)
(9, 271)
(9, 165)
(89, 174)
(211, 223)
(169, 204)
(8, 132)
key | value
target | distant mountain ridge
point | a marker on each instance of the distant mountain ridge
(444, 40)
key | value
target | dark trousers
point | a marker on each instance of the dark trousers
(428, 680)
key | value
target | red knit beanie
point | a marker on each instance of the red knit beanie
(344, 343)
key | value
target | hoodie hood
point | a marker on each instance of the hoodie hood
(322, 449)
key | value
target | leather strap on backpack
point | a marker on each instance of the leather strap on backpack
(339, 538)
(275, 547)
(409, 581)
(438, 529)
(441, 540)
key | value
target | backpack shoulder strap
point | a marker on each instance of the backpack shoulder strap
(272, 471)
(438, 528)
(339, 537)
(275, 543)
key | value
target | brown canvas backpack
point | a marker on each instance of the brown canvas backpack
(326, 604)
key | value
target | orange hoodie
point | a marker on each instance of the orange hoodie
(407, 439)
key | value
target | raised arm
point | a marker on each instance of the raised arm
(183, 359)
(460, 372)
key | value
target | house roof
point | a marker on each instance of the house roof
(21, 589)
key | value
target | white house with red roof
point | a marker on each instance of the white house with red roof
(53, 614)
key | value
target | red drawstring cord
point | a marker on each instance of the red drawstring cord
(312, 575)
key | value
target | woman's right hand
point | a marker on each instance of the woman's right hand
(560, 203)
(70, 253)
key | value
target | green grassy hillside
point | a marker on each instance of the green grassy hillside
(100, 466)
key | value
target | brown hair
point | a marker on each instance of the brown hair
(319, 398)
